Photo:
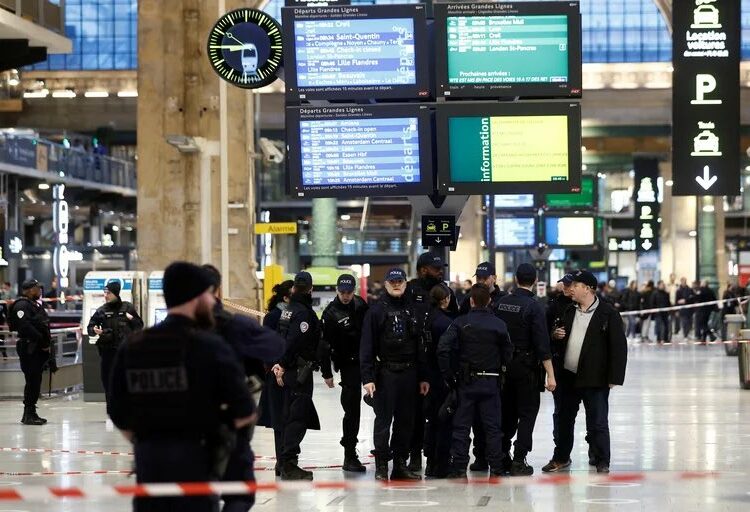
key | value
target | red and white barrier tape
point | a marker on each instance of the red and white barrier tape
(243, 309)
(67, 473)
(72, 452)
(67, 298)
(739, 300)
(185, 489)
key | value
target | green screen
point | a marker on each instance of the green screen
(508, 149)
(507, 49)
(584, 199)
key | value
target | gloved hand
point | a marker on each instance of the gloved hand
(52, 364)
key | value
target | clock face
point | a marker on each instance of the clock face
(244, 48)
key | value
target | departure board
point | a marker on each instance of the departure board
(359, 150)
(515, 232)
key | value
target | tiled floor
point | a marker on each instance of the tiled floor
(680, 410)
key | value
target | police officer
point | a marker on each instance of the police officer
(472, 354)
(342, 330)
(253, 346)
(430, 272)
(179, 395)
(112, 323)
(487, 276)
(393, 375)
(30, 320)
(299, 326)
(526, 321)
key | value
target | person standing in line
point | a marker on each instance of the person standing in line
(660, 300)
(342, 323)
(703, 316)
(685, 296)
(590, 357)
(113, 323)
(646, 300)
(631, 302)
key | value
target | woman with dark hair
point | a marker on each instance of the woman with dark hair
(272, 398)
(437, 435)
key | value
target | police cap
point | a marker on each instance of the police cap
(485, 269)
(395, 274)
(29, 284)
(345, 283)
(429, 259)
(303, 279)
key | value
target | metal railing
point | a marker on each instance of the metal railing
(59, 161)
(50, 15)
(67, 342)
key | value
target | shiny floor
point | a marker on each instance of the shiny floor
(681, 410)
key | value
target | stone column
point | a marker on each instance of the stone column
(707, 240)
(324, 234)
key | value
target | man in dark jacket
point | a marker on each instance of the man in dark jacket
(487, 276)
(660, 300)
(590, 356)
(342, 330)
(706, 294)
(685, 296)
(631, 301)
(113, 323)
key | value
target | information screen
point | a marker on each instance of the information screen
(502, 148)
(583, 199)
(510, 201)
(515, 232)
(511, 49)
(569, 231)
(359, 150)
(353, 52)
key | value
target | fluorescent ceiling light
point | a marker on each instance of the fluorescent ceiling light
(96, 94)
(13, 82)
(67, 93)
(36, 94)
(127, 94)
(43, 186)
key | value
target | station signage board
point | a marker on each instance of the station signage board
(619, 244)
(706, 98)
(647, 206)
(439, 231)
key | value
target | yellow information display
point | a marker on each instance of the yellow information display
(276, 228)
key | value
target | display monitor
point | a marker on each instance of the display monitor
(514, 201)
(569, 231)
(356, 52)
(500, 148)
(585, 198)
(507, 49)
(352, 151)
(515, 232)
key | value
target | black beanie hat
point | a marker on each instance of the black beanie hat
(114, 287)
(183, 282)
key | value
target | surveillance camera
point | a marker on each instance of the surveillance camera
(271, 154)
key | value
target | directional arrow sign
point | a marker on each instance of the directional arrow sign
(647, 245)
(439, 230)
(706, 181)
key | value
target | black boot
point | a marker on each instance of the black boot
(480, 465)
(402, 472)
(519, 467)
(381, 468)
(415, 462)
(351, 462)
(430, 469)
(30, 417)
(457, 473)
(291, 471)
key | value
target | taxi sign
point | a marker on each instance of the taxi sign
(276, 228)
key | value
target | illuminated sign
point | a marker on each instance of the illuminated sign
(647, 206)
(616, 244)
(60, 218)
(706, 120)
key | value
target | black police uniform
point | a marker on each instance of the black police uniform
(300, 327)
(495, 295)
(254, 346)
(116, 328)
(272, 396)
(176, 388)
(526, 321)
(472, 354)
(389, 357)
(342, 331)
(31, 322)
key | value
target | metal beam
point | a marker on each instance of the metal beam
(665, 6)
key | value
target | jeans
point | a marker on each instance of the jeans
(662, 327)
(632, 329)
(686, 319)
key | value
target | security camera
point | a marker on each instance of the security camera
(271, 154)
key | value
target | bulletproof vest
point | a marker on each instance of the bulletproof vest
(479, 348)
(38, 318)
(308, 350)
(511, 309)
(285, 320)
(159, 388)
(118, 323)
(346, 324)
(397, 343)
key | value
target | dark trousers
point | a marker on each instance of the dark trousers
(395, 398)
(240, 468)
(663, 328)
(437, 433)
(351, 402)
(481, 395)
(521, 401)
(417, 436)
(106, 360)
(568, 399)
(31, 366)
(173, 460)
(298, 407)
(686, 319)
(702, 329)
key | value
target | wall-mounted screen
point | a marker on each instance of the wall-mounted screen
(511, 201)
(496, 148)
(359, 151)
(515, 232)
(356, 52)
(585, 198)
(569, 231)
(527, 49)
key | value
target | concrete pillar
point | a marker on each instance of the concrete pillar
(324, 234)
(469, 251)
(179, 94)
(707, 240)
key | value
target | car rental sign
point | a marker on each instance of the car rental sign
(705, 118)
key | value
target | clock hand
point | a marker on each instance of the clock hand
(231, 36)
(230, 47)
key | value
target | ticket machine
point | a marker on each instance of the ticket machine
(131, 286)
(157, 307)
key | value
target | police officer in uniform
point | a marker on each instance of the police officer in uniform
(342, 330)
(300, 327)
(487, 276)
(393, 375)
(113, 323)
(471, 355)
(527, 325)
(254, 346)
(179, 395)
(30, 320)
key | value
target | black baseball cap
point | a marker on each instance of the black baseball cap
(395, 274)
(346, 283)
(485, 269)
(526, 273)
(303, 279)
(567, 279)
(429, 259)
(29, 284)
(585, 277)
